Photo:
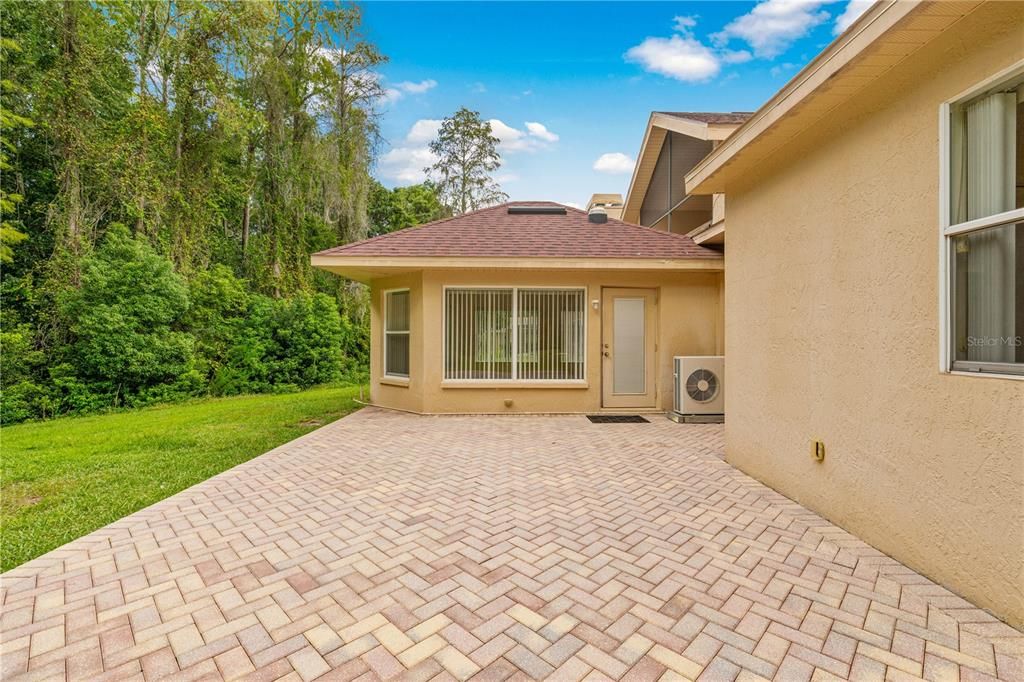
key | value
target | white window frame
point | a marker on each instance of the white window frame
(514, 288)
(948, 231)
(401, 378)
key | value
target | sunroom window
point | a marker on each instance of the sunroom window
(396, 334)
(986, 230)
(514, 334)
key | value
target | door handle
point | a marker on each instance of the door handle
(607, 354)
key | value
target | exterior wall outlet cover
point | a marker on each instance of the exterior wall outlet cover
(818, 450)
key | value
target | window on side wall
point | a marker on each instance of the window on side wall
(984, 234)
(396, 333)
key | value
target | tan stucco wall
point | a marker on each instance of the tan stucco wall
(690, 323)
(832, 332)
(687, 221)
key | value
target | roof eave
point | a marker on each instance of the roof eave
(658, 124)
(834, 68)
(638, 185)
(366, 268)
(701, 130)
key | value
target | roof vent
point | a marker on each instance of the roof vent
(536, 210)
(597, 215)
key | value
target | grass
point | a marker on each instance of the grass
(64, 478)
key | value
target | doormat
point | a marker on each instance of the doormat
(617, 419)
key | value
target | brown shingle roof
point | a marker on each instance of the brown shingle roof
(495, 233)
(711, 116)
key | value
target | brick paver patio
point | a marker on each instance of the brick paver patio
(389, 545)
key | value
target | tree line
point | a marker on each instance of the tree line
(166, 169)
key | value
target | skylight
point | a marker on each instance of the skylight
(536, 210)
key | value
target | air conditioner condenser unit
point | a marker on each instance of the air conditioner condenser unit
(699, 387)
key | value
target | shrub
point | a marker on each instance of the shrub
(23, 400)
(140, 334)
(21, 396)
(295, 342)
(127, 348)
(219, 305)
(308, 340)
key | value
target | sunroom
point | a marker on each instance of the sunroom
(532, 307)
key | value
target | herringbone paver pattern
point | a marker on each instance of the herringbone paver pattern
(393, 546)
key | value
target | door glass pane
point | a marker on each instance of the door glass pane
(628, 374)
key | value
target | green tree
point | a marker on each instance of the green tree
(312, 85)
(354, 132)
(83, 100)
(402, 207)
(202, 125)
(467, 155)
(233, 139)
(10, 230)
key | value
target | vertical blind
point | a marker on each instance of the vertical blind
(396, 333)
(514, 334)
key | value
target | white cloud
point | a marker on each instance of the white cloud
(506, 178)
(405, 164)
(773, 25)
(417, 88)
(400, 90)
(683, 24)
(572, 204)
(541, 131)
(535, 137)
(509, 138)
(682, 57)
(854, 8)
(614, 162)
(735, 56)
(423, 131)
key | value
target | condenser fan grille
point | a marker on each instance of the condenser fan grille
(702, 385)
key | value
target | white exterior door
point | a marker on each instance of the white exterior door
(628, 355)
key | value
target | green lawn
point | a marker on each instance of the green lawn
(63, 478)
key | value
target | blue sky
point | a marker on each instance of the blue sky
(567, 84)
